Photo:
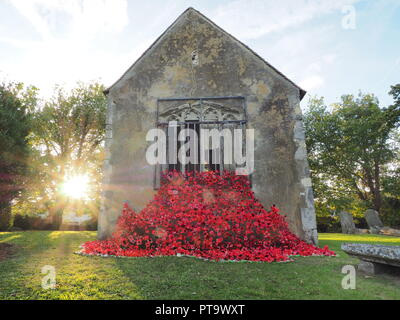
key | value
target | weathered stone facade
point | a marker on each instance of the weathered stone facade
(195, 58)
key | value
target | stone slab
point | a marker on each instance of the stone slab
(389, 255)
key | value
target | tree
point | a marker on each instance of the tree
(16, 105)
(391, 181)
(395, 92)
(68, 134)
(350, 149)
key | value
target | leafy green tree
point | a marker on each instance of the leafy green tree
(69, 131)
(350, 150)
(16, 106)
(395, 92)
(391, 181)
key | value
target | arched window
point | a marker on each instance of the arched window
(196, 114)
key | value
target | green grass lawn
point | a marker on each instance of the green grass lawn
(81, 277)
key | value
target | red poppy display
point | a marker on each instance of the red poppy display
(206, 215)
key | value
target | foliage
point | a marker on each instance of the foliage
(391, 181)
(5, 217)
(91, 225)
(207, 215)
(350, 152)
(68, 135)
(16, 103)
(31, 222)
(395, 92)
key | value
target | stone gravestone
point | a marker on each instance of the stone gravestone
(347, 223)
(374, 222)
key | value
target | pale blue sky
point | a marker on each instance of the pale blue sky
(44, 42)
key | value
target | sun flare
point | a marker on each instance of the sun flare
(76, 187)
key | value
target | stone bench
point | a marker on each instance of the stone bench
(375, 259)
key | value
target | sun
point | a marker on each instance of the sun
(76, 187)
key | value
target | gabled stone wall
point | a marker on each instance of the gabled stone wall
(195, 58)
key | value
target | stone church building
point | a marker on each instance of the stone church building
(197, 74)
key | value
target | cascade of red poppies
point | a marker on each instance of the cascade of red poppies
(206, 215)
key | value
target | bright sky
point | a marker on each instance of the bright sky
(316, 43)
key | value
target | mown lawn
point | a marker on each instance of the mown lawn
(81, 277)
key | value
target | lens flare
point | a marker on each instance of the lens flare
(76, 187)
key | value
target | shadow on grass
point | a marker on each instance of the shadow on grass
(189, 278)
(304, 278)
